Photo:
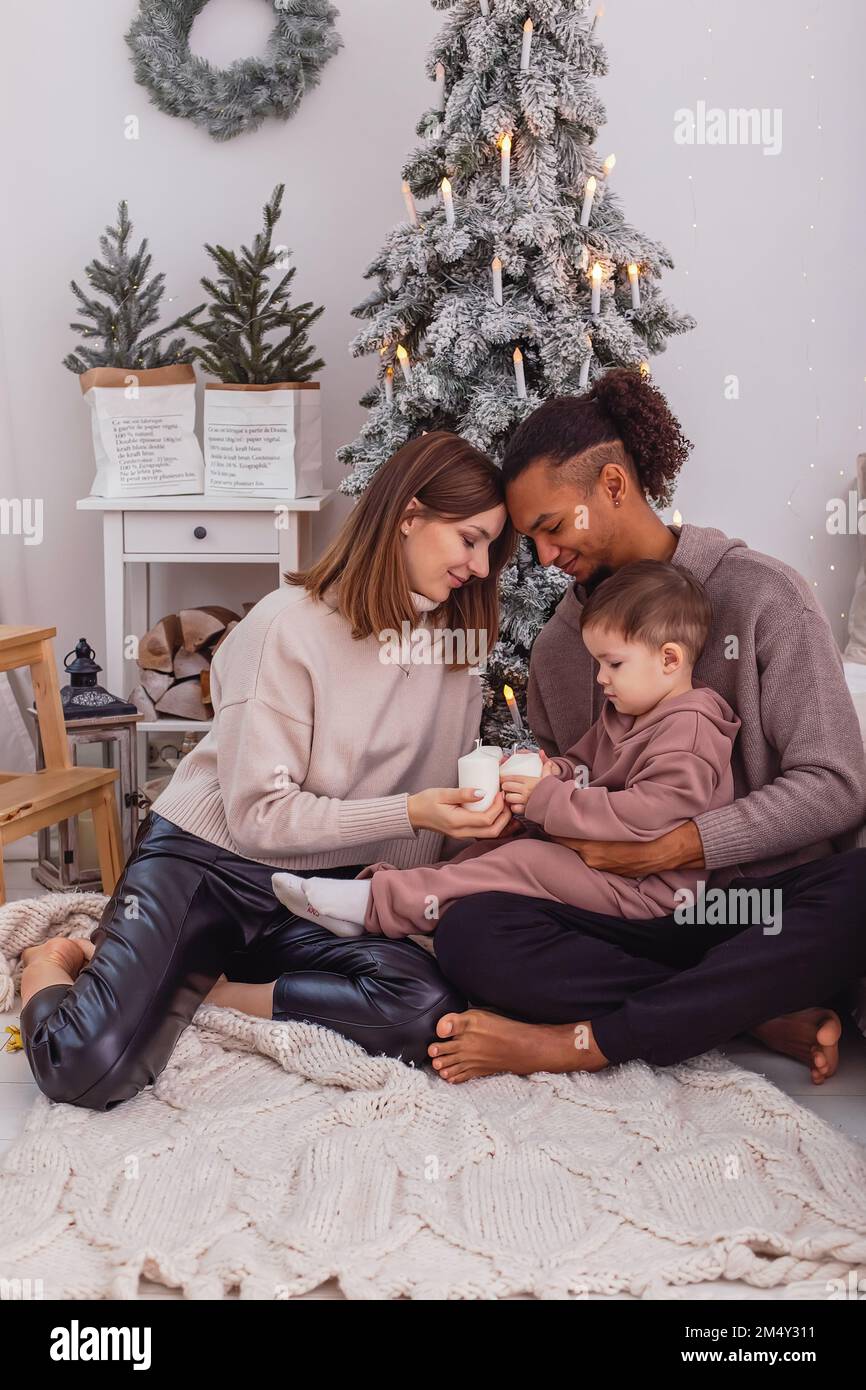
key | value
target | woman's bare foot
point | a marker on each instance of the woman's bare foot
(479, 1043)
(257, 1000)
(810, 1035)
(68, 953)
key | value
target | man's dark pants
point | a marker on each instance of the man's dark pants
(658, 989)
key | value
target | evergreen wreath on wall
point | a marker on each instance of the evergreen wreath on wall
(228, 101)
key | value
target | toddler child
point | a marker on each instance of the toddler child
(658, 755)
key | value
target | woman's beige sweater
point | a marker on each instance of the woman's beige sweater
(318, 741)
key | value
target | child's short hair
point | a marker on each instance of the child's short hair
(652, 602)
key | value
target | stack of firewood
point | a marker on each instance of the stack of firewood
(174, 658)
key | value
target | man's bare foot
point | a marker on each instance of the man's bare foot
(480, 1043)
(809, 1035)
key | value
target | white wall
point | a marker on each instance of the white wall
(68, 88)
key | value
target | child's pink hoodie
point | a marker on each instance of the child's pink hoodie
(647, 774)
(644, 776)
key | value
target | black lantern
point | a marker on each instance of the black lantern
(83, 698)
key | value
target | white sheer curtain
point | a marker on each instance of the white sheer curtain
(17, 752)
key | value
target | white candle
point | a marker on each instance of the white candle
(634, 281)
(403, 359)
(497, 279)
(448, 200)
(492, 749)
(677, 519)
(524, 764)
(485, 8)
(599, 14)
(519, 373)
(527, 44)
(505, 170)
(512, 708)
(440, 86)
(595, 307)
(608, 165)
(410, 203)
(389, 385)
(588, 195)
(478, 769)
(584, 366)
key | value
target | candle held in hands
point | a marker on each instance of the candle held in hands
(525, 763)
(478, 769)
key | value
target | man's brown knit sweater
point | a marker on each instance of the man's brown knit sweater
(798, 763)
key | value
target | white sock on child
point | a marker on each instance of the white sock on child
(339, 904)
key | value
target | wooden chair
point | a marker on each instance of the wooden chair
(31, 800)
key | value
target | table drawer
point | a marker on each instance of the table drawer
(200, 533)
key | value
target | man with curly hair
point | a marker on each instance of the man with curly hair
(576, 990)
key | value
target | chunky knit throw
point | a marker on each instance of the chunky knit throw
(270, 1157)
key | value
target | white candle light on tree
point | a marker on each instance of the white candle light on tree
(512, 708)
(519, 374)
(389, 385)
(505, 168)
(608, 165)
(403, 359)
(485, 8)
(527, 45)
(634, 281)
(645, 370)
(596, 276)
(677, 518)
(440, 86)
(497, 279)
(448, 200)
(588, 195)
(584, 366)
(599, 14)
(410, 203)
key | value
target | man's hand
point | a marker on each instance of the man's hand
(681, 848)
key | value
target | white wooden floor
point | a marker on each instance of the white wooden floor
(840, 1101)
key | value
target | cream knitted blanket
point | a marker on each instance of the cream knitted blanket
(270, 1157)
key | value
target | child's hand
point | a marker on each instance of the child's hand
(517, 791)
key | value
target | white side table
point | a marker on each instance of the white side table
(188, 529)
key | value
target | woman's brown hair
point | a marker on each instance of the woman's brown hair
(452, 480)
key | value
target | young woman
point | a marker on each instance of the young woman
(331, 747)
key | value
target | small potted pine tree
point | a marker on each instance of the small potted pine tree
(262, 418)
(140, 386)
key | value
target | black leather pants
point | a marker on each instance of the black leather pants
(186, 911)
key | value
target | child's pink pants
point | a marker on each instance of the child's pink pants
(408, 901)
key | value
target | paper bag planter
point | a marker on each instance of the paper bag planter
(263, 440)
(143, 431)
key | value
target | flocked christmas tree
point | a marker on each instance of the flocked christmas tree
(521, 282)
(244, 311)
(130, 304)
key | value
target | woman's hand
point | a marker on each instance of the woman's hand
(448, 810)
